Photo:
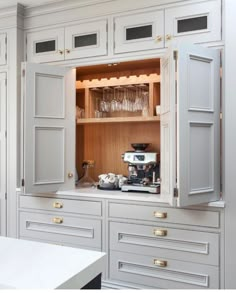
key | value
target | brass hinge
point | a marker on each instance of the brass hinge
(5, 133)
(22, 182)
(176, 192)
(5, 195)
(107, 27)
(23, 72)
(175, 54)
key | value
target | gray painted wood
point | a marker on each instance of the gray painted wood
(174, 215)
(139, 269)
(83, 207)
(49, 128)
(74, 230)
(3, 155)
(179, 244)
(198, 125)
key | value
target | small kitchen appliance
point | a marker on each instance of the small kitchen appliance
(143, 170)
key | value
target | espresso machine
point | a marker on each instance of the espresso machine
(143, 170)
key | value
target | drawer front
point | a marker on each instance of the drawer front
(60, 229)
(165, 215)
(62, 205)
(165, 273)
(184, 245)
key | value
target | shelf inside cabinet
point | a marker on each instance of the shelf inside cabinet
(117, 120)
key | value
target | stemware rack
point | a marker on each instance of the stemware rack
(118, 99)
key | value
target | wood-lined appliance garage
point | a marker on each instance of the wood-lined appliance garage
(105, 139)
(186, 134)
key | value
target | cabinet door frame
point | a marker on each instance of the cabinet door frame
(131, 21)
(98, 28)
(3, 49)
(35, 37)
(3, 154)
(210, 9)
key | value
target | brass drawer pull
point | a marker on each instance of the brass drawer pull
(158, 39)
(158, 232)
(70, 175)
(160, 263)
(57, 205)
(160, 215)
(57, 220)
(60, 52)
(168, 37)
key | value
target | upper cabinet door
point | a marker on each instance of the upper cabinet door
(197, 23)
(197, 118)
(49, 128)
(140, 31)
(3, 49)
(45, 45)
(86, 40)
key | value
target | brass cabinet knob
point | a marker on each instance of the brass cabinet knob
(57, 205)
(160, 263)
(57, 220)
(158, 38)
(160, 215)
(158, 232)
(70, 175)
(67, 51)
(60, 52)
(168, 37)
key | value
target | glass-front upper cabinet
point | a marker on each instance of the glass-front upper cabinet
(45, 45)
(86, 39)
(197, 23)
(140, 31)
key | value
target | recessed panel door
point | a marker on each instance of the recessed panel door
(45, 45)
(49, 128)
(86, 40)
(3, 154)
(140, 31)
(197, 23)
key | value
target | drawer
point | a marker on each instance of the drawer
(61, 229)
(62, 205)
(184, 245)
(165, 215)
(165, 273)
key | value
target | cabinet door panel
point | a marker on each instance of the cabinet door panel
(86, 40)
(49, 128)
(45, 46)
(198, 23)
(3, 166)
(138, 32)
(3, 49)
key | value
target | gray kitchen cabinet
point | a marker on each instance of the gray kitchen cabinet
(139, 31)
(76, 223)
(193, 22)
(167, 252)
(86, 39)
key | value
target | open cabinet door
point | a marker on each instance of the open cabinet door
(168, 129)
(198, 125)
(48, 128)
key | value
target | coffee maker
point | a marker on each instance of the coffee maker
(143, 170)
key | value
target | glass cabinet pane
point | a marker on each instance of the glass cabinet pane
(139, 32)
(46, 46)
(192, 24)
(85, 40)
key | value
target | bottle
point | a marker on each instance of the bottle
(86, 180)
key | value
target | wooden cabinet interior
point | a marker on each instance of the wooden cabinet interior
(104, 139)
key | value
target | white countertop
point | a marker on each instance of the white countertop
(33, 265)
(117, 194)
